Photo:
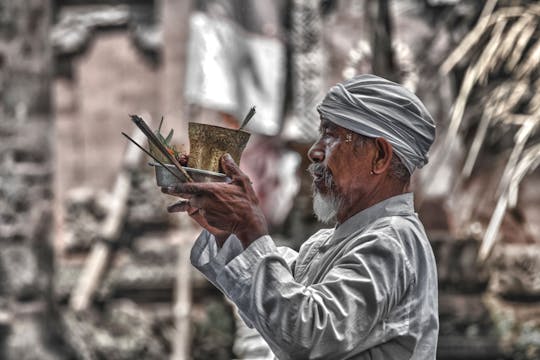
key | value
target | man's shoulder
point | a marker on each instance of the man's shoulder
(399, 233)
(320, 236)
(396, 224)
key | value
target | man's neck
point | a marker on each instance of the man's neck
(379, 193)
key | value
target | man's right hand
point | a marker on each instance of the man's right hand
(232, 207)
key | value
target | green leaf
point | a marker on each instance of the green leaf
(169, 137)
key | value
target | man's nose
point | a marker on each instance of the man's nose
(316, 153)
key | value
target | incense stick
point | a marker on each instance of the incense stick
(248, 117)
(155, 141)
(153, 157)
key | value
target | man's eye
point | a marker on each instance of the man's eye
(325, 131)
(329, 132)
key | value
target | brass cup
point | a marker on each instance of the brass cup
(208, 143)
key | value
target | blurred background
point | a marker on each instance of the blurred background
(93, 267)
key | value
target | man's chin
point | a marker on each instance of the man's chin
(325, 207)
(319, 187)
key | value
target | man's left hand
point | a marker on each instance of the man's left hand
(230, 207)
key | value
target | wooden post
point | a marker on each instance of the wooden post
(175, 15)
(98, 259)
(184, 234)
(378, 17)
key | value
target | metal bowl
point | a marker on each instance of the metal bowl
(165, 178)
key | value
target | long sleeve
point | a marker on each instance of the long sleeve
(211, 260)
(326, 320)
(364, 290)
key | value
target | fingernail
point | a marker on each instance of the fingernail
(228, 157)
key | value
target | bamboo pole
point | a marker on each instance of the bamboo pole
(184, 234)
(175, 16)
(98, 259)
(379, 19)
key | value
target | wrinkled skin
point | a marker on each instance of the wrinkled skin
(223, 208)
(359, 175)
(358, 168)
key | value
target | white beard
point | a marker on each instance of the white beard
(325, 207)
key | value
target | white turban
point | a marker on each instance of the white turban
(375, 107)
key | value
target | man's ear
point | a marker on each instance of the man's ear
(383, 156)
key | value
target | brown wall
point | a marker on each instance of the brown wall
(111, 80)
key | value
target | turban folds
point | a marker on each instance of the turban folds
(375, 107)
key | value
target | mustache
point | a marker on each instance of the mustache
(320, 171)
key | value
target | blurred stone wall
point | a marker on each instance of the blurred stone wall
(133, 314)
(28, 326)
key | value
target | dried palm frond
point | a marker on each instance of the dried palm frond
(522, 41)
(472, 38)
(531, 62)
(486, 21)
(501, 48)
(507, 45)
(510, 48)
(534, 104)
(459, 107)
(510, 94)
(493, 228)
(488, 59)
(529, 162)
(477, 143)
(521, 138)
(500, 102)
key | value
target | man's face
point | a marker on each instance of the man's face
(340, 168)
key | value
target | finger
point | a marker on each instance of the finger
(199, 216)
(233, 171)
(179, 206)
(229, 167)
(185, 206)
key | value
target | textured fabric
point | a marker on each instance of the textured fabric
(375, 107)
(230, 69)
(248, 343)
(307, 71)
(365, 290)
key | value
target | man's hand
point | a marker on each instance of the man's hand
(223, 208)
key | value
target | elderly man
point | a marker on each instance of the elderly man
(365, 289)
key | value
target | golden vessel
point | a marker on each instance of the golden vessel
(209, 142)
